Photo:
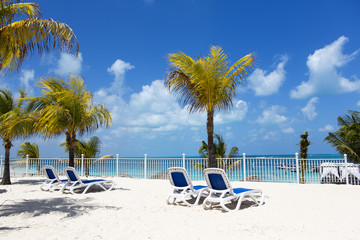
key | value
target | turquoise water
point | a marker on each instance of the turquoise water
(264, 167)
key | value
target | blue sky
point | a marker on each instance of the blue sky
(307, 71)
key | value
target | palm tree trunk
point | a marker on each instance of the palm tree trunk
(210, 132)
(6, 176)
(71, 143)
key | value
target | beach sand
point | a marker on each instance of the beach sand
(137, 209)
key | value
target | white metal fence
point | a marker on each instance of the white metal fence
(267, 169)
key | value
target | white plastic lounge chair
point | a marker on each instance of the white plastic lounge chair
(183, 188)
(222, 193)
(52, 180)
(75, 182)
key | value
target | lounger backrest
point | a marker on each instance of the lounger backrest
(179, 177)
(72, 175)
(51, 173)
(217, 179)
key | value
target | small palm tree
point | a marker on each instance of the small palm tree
(207, 84)
(304, 144)
(90, 149)
(223, 160)
(346, 139)
(66, 108)
(19, 39)
(14, 123)
(32, 151)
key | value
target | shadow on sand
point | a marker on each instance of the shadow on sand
(63, 205)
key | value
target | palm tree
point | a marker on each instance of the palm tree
(14, 123)
(32, 151)
(346, 139)
(90, 149)
(207, 84)
(220, 147)
(304, 144)
(66, 108)
(19, 39)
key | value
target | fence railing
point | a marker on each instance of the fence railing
(262, 169)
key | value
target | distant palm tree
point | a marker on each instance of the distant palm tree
(32, 151)
(207, 84)
(346, 139)
(90, 149)
(66, 108)
(14, 123)
(223, 160)
(304, 144)
(19, 39)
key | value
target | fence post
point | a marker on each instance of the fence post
(1, 165)
(117, 165)
(244, 160)
(82, 164)
(27, 165)
(297, 167)
(145, 158)
(183, 160)
(346, 169)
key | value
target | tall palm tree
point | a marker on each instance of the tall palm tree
(22, 32)
(32, 151)
(207, 84)
(220, 148)
(90, 149)
(14, 123)
(66, 108)
(304, 144)
(346, 139)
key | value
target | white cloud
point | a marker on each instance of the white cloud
(288, 130)
(327, 128)
(265, 84)
(272, 115)
(358, 104)
(67, 64)
(26, 78)
(119, 68)
(237, 114)
(309, 110)
(272, 135)
(154, 109)
(324, 77)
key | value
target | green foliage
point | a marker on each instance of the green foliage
(222, 160)
(28, 149)
(346, 139)
(207, 84)
(32, 150)
(14, 123)
(66, 108)
(22, 32)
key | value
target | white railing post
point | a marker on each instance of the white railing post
(1, 165)
(117, 165)
(183, 160)
(27, 165)
(145, 158)
(297, 167)
(82, 164)
(244, 161)
(346, 169)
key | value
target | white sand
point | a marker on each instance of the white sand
(136, 209)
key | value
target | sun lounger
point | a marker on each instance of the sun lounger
(76, 183)
(183, 188)
(222, 193)
(52, 180)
